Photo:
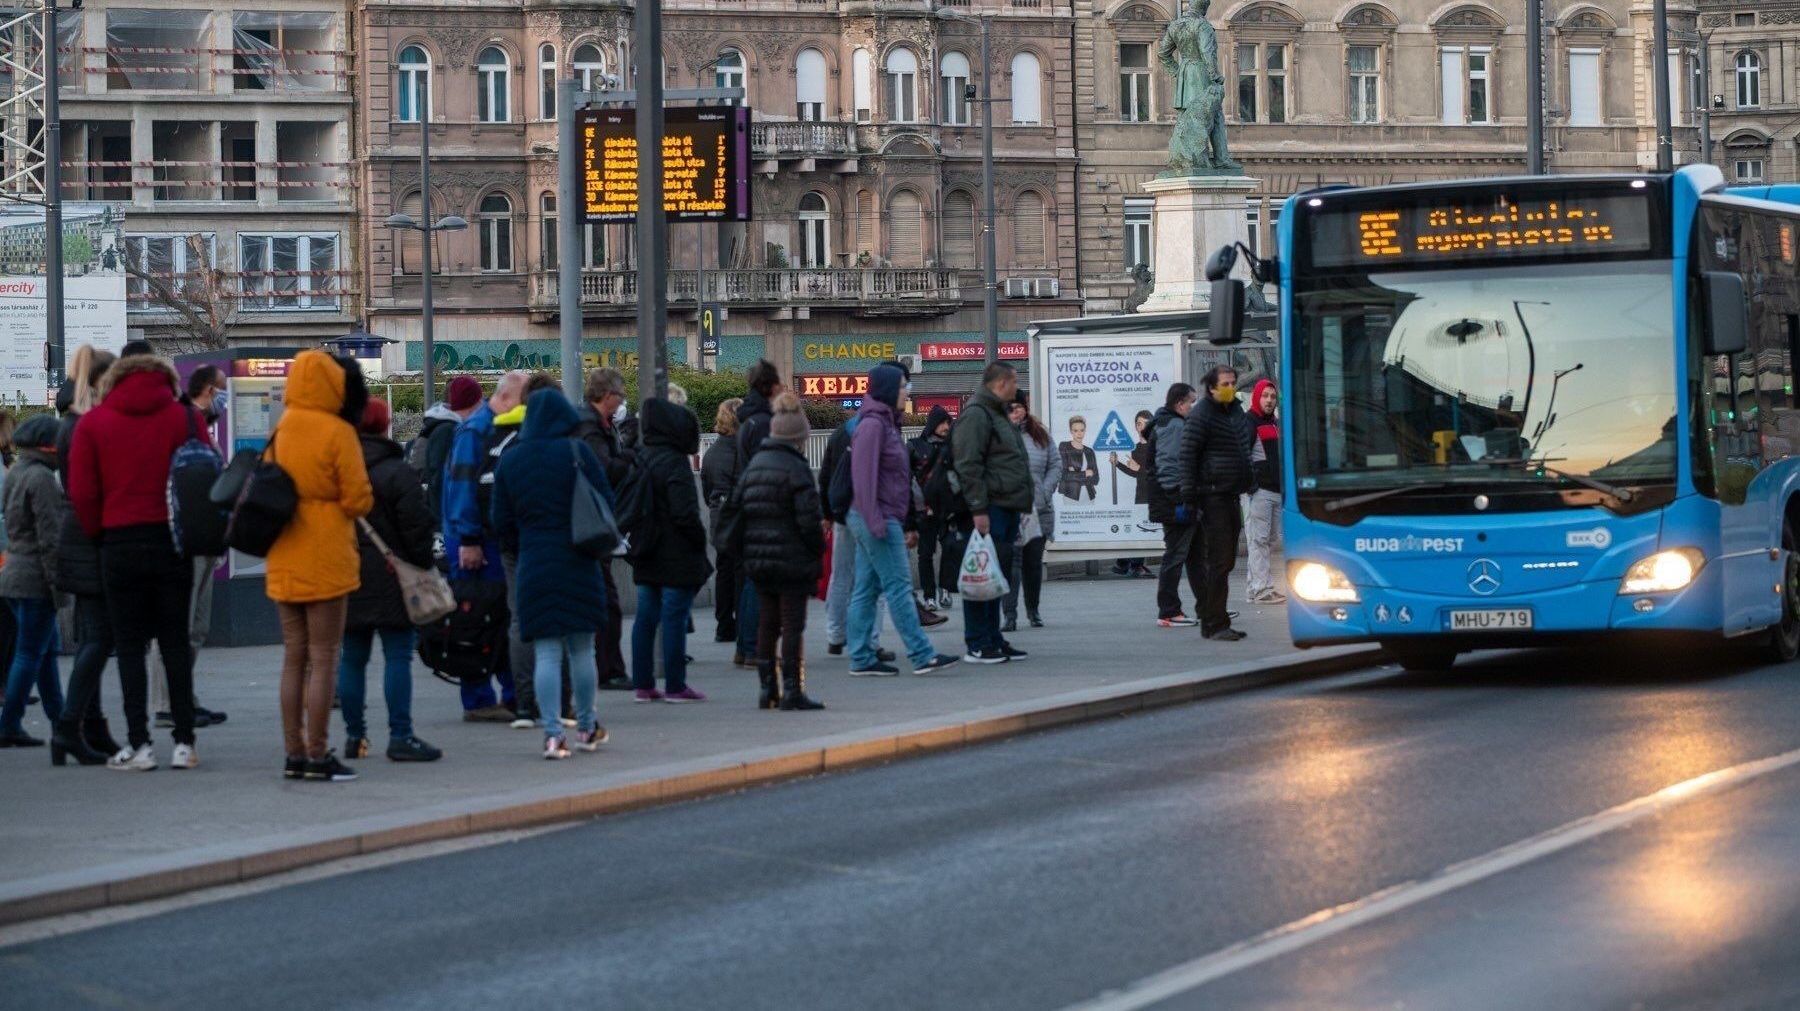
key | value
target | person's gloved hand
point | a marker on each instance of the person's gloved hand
(1184, 513)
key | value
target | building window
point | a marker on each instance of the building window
(959, 229)
(1027, 89)
(1137, 231)
(1584, 87)
(809, 85)
(1465, 84)
(953, 71)
(1134, 82)
(862, 74)
(493, 79)
(815, 232)
(593, 246)
(547, 226)
(590, 67)
(1262, 83)
(546, 81)
(728, 71)
(1747, 170)
(1698, 87)
(1743, 21)
(903, 86)
(289, 271)
(495, 227)
(906, 219)
(1749, 80)
(167, 258)
(1028, 230)
(1365, 84)
(1253, 225)
(414, 104)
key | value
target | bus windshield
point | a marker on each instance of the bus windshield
(1527, 375)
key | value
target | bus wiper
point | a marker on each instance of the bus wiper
(1351, 501)
(1622, 494)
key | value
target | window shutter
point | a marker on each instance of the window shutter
(1028, 230)
(865, 223)
(959, 230)
(905, 247)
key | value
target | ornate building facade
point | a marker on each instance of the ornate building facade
(1753, 53)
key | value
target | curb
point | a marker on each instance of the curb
(229, 863)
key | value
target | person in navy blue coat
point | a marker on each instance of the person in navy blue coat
(560, 592)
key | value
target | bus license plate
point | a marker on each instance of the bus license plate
(1490, 619)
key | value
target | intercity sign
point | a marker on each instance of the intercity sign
(971, 351)
(834, 387)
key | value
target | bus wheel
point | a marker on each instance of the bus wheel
(1417, 659)
(1784, 638)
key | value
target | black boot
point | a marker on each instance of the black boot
(770, 698)
(99, 737)
(793, 687)
(64, 746)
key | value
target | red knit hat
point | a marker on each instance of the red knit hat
(462, 393)
(375, 417)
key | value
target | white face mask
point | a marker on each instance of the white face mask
(619, 414)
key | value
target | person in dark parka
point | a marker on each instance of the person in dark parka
(672, 566)
(1215, 469)
(563, 598)
(78, 574)
(403, 519)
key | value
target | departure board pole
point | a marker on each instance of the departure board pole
(571, 202)
(652, 228)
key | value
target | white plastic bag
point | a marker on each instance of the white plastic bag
(981, 578)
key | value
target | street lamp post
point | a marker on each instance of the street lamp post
(446, 224)
(1659, 77)
(990, 284)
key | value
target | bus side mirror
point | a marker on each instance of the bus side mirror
(1220, 263)
(1722, 295)
(1225, 317)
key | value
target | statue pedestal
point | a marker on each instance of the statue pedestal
(1194, 215)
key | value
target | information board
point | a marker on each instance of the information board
(706, 164)
(1096, 396)
(94, 295)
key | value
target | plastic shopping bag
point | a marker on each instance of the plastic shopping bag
(981, 578)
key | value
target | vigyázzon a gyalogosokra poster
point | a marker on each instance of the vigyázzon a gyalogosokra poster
(1099, 402)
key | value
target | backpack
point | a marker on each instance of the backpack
(416, 452)
(943, 490)
(634, 508)
(264, 507)
(470, 643)
(196, 523)
(843, 486)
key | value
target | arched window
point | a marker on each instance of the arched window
(809, 85)
(546, 81)
(546, 230)
(728, 71)
(953, 77)
(496, 233)
(815, 231)
(959, 229)
(903, 87)
(413, 104)
(862, 73)
(590, 67)
(494, 86)
(906, 218)
(1749, 80)
(1027, 101)
(1028, 230)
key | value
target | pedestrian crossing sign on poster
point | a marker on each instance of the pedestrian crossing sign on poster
(1114, 436)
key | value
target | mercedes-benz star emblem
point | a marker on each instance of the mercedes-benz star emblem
(1484, 576)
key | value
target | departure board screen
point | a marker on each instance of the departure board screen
(706, 164)
(1477, 226)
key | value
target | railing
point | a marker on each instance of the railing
(771, 286)
(802, 140)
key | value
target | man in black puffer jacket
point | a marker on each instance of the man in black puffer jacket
(754, 415)
(1215, 470)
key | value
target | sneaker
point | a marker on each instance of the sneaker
(688, 694)
(356, 747)
(835, 648)
(590, 740)
(294, 769)
(928, 603)
(932, 619)
(411, 749)
(875, 670)
(518, 723)
(936, 663)
(329, 770)
(184, 757)
(1013, 655)
(884, 655)
(1010, 625)
(616, 685)
(989, 655)
(648, 695)
(1177, 620)
(1226, 634)
(556, 747)
(489, 714)
(129, 759)
(1270, 597)
(943, 599)
(204, 717)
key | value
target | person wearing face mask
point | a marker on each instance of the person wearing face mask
(1215, 470)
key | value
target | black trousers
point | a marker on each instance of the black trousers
(93, 644)
(147, 592)
(939, 554)
(781, 614)
(1027, 570)
(609, 656)
(728, 582)
(1184, 551)
(1221, 521)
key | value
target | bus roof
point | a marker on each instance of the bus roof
(1497, 181)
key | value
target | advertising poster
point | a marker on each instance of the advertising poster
(1098, 400)
(93, 290)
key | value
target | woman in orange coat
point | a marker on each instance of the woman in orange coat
(314, 565)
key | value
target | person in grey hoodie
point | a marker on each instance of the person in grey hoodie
(1044, 466)
(34, 509)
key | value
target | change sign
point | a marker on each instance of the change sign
(705, 158)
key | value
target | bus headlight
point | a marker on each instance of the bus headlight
(1320, 583)
(1663, 572)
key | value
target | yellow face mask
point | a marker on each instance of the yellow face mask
(1225, 393)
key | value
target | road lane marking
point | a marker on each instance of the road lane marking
(1315, 927)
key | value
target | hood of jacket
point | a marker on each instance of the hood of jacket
(38, 432)
(549, 415)
(1256, 393)
(65, 396)
(315, 382)
(880, 409)
(440, 414)
(377, 448)
(937, 417)
(676, 428)
(884, 385)
(753, 405)
(139, 385)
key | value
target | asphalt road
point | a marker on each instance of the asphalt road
(1052, 869)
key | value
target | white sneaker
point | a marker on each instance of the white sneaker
(184, 757)
(556, 748)
(133, 759)
(524, 723)
(943, 599)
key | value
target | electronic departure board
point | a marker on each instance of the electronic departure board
(706, 164)
(1477, 226)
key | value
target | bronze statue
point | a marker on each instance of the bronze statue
(1189, 51)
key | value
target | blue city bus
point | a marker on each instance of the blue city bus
(1530, 411)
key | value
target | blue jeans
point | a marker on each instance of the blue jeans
(668, 607)
(837, 596)
(396, 680)
(748, 609)
(981, 619)
(34, 661)
(883, 569)
(548, 654)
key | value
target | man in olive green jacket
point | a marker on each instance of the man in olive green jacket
(996, 483)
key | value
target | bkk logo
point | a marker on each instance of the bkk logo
(1599, 537)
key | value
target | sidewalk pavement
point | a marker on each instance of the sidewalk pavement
(83, 837)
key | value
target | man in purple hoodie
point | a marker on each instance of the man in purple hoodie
(881, 478)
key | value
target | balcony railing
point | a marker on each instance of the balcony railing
(873, 288)
(803, 140)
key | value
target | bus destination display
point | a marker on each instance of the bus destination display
(706, 162)
(1430, 229)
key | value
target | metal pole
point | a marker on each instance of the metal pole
(652, 224)
(1705, 101)
(990, 293)
(1534, 87)
(571, 205)
(429, 233)
(53, 233)
(1659, 65)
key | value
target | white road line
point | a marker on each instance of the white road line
(1325, 923)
